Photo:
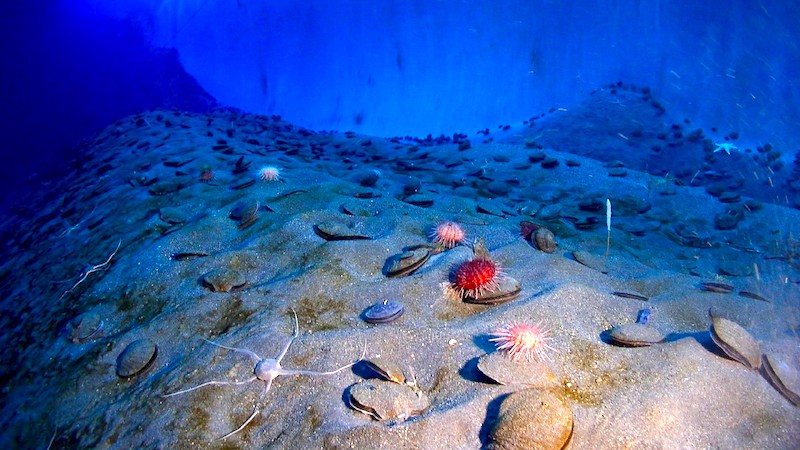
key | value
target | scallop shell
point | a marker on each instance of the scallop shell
(635, 335)
(385, 400)
(85, 327)
(713, 286)
(503, 370)
(388, 370)
(589, 260)
(248, 215)
(782, 377)
(544, 240)
(507, 289)
(549, 212)
(407, 262)
(335, 231)
(223, 280)
(421, 200)
(384, 312)
(532, 419)
(736, 342)
(633, 295)
(137, 358)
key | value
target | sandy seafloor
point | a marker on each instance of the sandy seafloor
(144, 172)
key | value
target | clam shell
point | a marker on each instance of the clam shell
(635, 335)
(532, 419)
(85, 327)
(503, 370)
(544, 240)
(223, 280)
(385, 400)
(507, 289)
(384, 312)
(782, 377)
(137, 358)
(407, 262)
(736, 342)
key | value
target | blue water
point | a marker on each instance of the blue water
(388, 68)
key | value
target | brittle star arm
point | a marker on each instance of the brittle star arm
(241, 427)
(210, 383)
(313, 373)
(94, 268)
(288, 344)
(267, 385)
(235, 349)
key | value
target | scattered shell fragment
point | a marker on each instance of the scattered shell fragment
(85, 327)
(507, 289)
(635, 335)
(335, 231)
(386, 400)
(532, 419)
(384, 312)
(137, 357)
(735, 341)
(407, 262)
(782, 377)
(223, 280)
(504, 370)
(544, 240)
(713, 286)
(387, 369)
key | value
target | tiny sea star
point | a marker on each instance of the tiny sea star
(727, 146)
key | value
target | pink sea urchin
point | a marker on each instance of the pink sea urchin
(523, 341)
(269, 173)
(448, 234)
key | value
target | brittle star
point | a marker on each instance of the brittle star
(91, 270)
(266, 370)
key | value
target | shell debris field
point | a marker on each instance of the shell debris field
(144, 287)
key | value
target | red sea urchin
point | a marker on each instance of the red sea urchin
(475, 277)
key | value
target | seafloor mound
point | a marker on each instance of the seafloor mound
(167, 233)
